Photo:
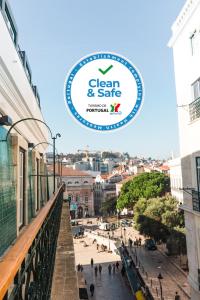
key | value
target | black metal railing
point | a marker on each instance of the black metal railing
(194, 109)
(27, 268)
(195, 200)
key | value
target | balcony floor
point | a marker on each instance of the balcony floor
(65, 284)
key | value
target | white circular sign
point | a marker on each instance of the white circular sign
(104, 91)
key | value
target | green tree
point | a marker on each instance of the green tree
(108, 207)
(161, 219)
(146, 185)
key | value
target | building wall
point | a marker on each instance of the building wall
(187, 70)
(18, 100)
(98, 197)
(80, 191)
(176, 179)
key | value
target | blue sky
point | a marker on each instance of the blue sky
(55, 34)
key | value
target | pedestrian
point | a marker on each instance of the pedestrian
(109, 269)
(117, 265)
(78, 267)
(95, 270)
(140, 241)
(92, 262)
(177, 296)
(98, 247)
(100, 269)
(113, 267)
(81, 268)
(123, 271)
(92, 289)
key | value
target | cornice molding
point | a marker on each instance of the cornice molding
(180, 22)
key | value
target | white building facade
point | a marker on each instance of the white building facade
(185, 42)
(22, 192)
(176, 179)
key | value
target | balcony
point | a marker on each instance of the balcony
(30, 266)
(194, 110)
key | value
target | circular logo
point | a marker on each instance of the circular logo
(104, 91)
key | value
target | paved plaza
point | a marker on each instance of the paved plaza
(107, 287)
(151, 264)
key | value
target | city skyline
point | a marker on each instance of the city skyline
(52, 50)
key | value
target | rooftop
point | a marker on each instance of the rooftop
(69, 171)
(184, 15)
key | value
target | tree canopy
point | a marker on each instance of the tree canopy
(108, 206)
(145, 185)
(161, 219)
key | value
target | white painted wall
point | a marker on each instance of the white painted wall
(187, 71)
(176, 179)
(16, 95)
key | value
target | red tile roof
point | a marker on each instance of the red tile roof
(69, 171)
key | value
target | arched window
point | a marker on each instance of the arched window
(70, 197)
(86, 198)
(85, 181)
(76, 182)
(69, 182)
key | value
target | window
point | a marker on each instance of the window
(37, 200)
(69, 182)
(86, 198)
(196, 89)
(85, 181)
(198, 172)
(76, 182)
(21, 215)
(0, 3)
(70, 197)
(195, 42)
(28, 72)
(77, 198)
(194, 107)
(10, 25)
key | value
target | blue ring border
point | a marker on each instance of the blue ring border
(130, 67)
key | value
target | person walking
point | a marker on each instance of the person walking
(98, 247)
(117, 265)
(92, 289)
(79, 267)
(109, 269)
(123, 271)
(92, 262)
(95, 270)
(113, 267)
(177, 296)
(100, 269)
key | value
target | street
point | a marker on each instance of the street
(150, 263)
(108, 287)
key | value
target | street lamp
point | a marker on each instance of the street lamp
(160, 278)
(125, 236)
(54, 159)
(108, 241)
(121, 230)
(6, 120)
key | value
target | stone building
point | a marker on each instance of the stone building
(79, 191)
